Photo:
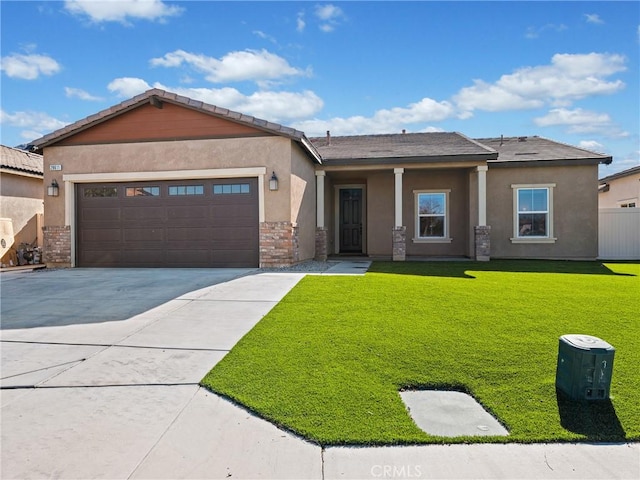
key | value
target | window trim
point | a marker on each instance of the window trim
(549, 237)
(446, 238)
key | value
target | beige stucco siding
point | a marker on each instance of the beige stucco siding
(303, 202)
(574, 210)
(274, 153)
(623, 190)
(380, 212)
(22, 202)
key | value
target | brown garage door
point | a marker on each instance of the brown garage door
(195, 223)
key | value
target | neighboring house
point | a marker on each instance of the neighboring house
(21, 205)
(163, 180)
(619, 215)
(621, 189)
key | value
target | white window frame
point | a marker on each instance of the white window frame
(549, 237)
(416, 209)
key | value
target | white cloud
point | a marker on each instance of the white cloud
(383, 121)
(28, 67)
(592, 145)
(265, 36)
(71, 92)
(35, 124)
(272, 106)
(122, 10)
(128, 86)
(330, 16)
(593, 18)
(569, 77)
(254, 65)
(580, 121)
(300, 23)
(535, 32)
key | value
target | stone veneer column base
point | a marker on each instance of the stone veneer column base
(482, 243)
(321, 244)
(279, 245)
(56, 249)
(399, 244)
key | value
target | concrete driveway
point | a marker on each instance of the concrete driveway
(100, 372)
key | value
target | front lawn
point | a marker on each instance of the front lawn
(328, 361)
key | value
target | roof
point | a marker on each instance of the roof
(540, 149)
(157, 95)
(434, 146)
(21, 160)
(625, 173)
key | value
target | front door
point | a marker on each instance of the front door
(351, 220)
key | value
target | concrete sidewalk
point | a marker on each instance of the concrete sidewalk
(119, 398)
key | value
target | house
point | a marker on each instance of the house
(21, 202)
(621, 189)
(164, 180)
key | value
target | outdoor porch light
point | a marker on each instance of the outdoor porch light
(273, 183)
(53, 190)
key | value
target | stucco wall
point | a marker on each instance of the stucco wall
(272, 152)
(621, 190)
(303, 202)
(22, 202)
(575, 211)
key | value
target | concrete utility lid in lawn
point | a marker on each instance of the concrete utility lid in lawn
(450, 414)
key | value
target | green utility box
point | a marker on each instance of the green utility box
(585, 366)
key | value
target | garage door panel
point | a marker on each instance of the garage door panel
(101, 213)
(187, 212)
(150, 235)
(141, 212)
(100, 235)
(176, 234)
(179, 230)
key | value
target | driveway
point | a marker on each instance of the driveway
(100, 372)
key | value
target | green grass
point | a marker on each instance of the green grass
(328, 361)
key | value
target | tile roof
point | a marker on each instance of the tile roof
(400, 146)
(162, 95)
(535, 149)
(21, 160)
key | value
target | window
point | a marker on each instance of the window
(231, 188)
(186, 190)
(142, 191)
(432, 215)
(100, 192)
(533, 218)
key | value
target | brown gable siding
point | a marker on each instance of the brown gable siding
(171, 122)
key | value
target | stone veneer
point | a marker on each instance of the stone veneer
(278, 244)
(321, 244)
(482, 243)
(399, 244)
(57, 245)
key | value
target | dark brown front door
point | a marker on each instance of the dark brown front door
(351, 220)
(193, 223)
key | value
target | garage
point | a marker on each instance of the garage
(192, 223)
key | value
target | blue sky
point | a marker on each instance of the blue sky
(563, 70)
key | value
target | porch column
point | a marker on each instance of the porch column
(399, 233)
(321, 231)
(482, 195)
(482, 232)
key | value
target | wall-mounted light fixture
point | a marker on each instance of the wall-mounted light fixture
(53, 190)
(273, 183)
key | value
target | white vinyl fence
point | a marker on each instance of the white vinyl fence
(619, 233)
